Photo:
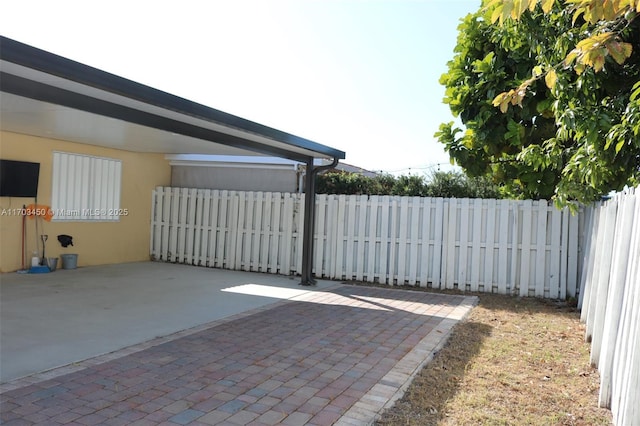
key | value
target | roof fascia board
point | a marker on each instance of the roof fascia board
(31, 57)
(22, 87)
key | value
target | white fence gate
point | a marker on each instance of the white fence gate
(526, 248)
(611, 303)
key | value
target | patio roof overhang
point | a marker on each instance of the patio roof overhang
(46, 95)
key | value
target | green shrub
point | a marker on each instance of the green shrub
(439, 184)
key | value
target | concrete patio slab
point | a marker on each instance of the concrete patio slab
(338, 354)
(49, 320)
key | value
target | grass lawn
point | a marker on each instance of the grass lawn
(514, 361)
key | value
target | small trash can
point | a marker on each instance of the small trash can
(69, 261)
(52, 263)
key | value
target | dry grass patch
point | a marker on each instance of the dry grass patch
(514, 361)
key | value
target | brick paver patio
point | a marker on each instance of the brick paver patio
(339, 356)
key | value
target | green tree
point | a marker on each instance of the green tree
(549, 97)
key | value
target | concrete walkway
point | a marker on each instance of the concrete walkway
(336, 354)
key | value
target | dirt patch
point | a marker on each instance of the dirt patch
(513, 361)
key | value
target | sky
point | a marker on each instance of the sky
(357, 75)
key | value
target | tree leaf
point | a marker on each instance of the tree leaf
(636, 92)
(507, 8)
(537, 71)
(619, 51)
(547, 5)
(551, 78)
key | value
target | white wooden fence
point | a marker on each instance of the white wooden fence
(611, 303)
(526, 248)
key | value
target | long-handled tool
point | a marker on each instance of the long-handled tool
(44, 237)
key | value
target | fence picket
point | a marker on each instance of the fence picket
(360, 237)
(332, 236)
(412, 243)
(503, 248)
(384, 241)
(525, 248)
(287, 235)
(490, 277)
(463, 244)
(572, 257)
(402, 224)
(393, 241)
(602, 283)
(424, 260)
(236, 229)
(373, 238)
(275, 234)
(449, 240)
(541, 248)
(174, 225)
(555, 289)
(477, 209)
